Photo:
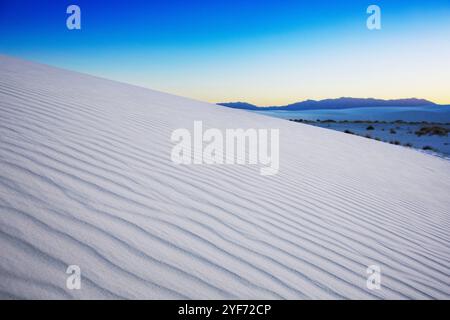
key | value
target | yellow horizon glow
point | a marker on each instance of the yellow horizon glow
(389, 64)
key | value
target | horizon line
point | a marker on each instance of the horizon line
(319, 100)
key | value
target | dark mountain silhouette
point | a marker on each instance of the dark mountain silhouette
(240, 105)
(340, 103)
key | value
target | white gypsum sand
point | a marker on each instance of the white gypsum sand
(86, 179)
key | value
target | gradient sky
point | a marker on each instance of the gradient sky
(264, 52)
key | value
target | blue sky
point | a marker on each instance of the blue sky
(264, 52)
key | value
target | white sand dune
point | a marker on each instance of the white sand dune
(86, 179)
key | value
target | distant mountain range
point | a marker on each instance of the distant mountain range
(340, 103)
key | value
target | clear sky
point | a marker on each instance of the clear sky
(264, 52)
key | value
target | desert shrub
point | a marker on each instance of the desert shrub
(370, 128)
(408, 145)
(368, 136)
(392, 131)
(349, 132)
(427, 148)
(431, 131)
